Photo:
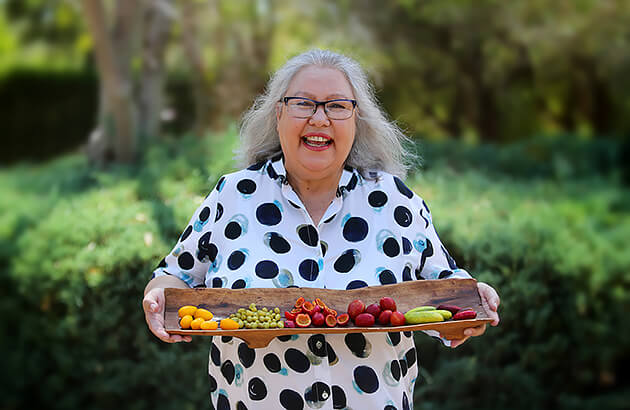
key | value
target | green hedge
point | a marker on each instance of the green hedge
(78, 245)
(46, 113)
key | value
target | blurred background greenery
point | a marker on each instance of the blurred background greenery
(118, 117)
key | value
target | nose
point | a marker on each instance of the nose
(319, 118)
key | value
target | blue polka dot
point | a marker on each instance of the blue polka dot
(356, 284)
(309, 269)
(355, 229)
(268, 214)
(266, 269)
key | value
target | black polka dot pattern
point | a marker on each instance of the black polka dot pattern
(403, 217)
(377, 199)
(272, 363)
(339, 398)
(391, 247)
(386, 277)
(355, 229)
(291, 400)
(185, 261)
(308, 234)
(204, 214)
(257, 389)
(227, 370)
(296, 360)
(246, 355)
(356, 284)
(253, 231)
(246, 186)
(268, 214)
(186, 233)
(266, 269)
(219, 213)
(309, 269)
(277, 243)
(347, 260)
(316, 394)
(222, 402)
(402, 188)
(236, 260)
(366, 379)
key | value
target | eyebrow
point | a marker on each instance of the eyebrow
(328, 97)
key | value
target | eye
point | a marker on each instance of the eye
(304, 103)
(336, 106)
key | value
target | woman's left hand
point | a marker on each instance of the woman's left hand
(490, 301)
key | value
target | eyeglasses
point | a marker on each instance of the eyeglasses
(300, 107)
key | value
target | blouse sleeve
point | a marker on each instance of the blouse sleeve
(435, 261)
(193, 254)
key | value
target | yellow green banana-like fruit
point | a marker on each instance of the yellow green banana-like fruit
(421, 309)
(419, 316)
(445, 313)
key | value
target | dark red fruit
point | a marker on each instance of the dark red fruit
(290, 315)
(355, 308)
(289, 323)
(451, 308)
(384, 317)
(343, 319)
(319, 303)
(318, 319)
(387, 303)
(465, 314)
(364, 320)
(316, 308)
(331, 321)
(397, 319)
(374, 310)
(303, 320)
(308, 307)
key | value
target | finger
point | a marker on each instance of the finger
(495, 318)
(458, 342)
(475, 331)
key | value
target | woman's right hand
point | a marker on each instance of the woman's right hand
(153, 305)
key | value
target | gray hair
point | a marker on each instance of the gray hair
(379, 144)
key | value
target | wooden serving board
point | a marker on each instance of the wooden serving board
(407, 295)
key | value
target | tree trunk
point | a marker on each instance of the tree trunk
(201, 86)
(117, 127)
(156, 30)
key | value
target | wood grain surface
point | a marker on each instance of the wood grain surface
(223, 302)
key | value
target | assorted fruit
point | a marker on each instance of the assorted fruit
(316, 313)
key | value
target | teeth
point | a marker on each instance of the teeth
(316, 139)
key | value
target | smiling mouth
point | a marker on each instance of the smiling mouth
(314, 141)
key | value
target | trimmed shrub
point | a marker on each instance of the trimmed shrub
(77, 247)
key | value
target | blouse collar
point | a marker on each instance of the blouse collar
(276, 171)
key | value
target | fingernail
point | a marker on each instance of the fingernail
(468, 332)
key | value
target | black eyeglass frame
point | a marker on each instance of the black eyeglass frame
(286, 100)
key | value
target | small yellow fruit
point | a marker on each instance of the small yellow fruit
(186, 310)
(196, 323)
(184, 323)
(204, 314)
(229, 324)
(209, 325)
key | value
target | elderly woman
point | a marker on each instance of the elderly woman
(322, 204)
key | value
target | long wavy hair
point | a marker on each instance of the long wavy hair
(379, 144)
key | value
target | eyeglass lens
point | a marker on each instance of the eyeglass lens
(337, 110)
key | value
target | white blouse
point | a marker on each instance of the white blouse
(252, 231)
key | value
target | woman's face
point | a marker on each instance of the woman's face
(310, 161)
